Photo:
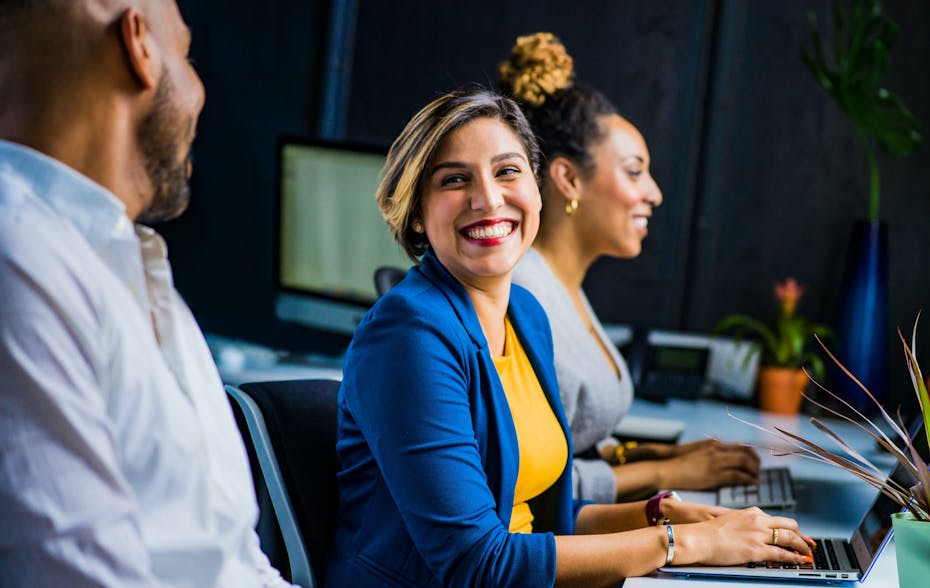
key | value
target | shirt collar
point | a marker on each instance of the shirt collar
(91, 208)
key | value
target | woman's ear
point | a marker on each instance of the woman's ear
(139, 46)
(566, 177)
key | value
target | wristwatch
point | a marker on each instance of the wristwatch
(654, 515)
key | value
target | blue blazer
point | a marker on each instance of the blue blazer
(428, 447)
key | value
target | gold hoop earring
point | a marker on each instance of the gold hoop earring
(571, 207)
(417, 226)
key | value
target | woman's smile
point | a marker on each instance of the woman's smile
(489, 232)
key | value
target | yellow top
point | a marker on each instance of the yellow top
(542, 444)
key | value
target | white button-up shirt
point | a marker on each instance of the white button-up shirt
(120, 461)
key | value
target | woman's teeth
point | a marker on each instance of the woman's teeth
(640, 222)
(490, 232)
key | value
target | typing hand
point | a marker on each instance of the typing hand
(704, 465)
(742, 536)
(689, 512)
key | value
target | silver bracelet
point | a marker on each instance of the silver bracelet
(671, 545)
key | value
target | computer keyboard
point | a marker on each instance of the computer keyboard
(775, 490)
(825, 558)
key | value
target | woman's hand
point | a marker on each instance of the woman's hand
(684, 448)
(742, 536)
(679, 512)
(708, 464)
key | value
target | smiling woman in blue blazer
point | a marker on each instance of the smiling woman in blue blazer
(456, 457)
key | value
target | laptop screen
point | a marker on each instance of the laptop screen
(876, 524)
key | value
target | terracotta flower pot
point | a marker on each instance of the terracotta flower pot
(780, 389)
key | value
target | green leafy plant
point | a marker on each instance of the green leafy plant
(915, 498)
(863, 36)
(787, 345)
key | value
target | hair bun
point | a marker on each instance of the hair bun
(538, 67)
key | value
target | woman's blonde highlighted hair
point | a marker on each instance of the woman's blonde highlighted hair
(399, 194)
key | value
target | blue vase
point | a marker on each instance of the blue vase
(863, 328)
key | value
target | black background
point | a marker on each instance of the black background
(761, 173)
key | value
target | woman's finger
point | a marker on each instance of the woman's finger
(790, 540)
(773, 553)
(734, 477)
(734, 460)
(781, 523)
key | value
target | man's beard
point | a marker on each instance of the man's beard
(159, 135)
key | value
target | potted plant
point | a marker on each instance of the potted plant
(853, 76)
(785, 349)
(911, 528)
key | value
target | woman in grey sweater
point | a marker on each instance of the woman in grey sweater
(598, 196)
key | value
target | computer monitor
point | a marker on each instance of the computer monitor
(330, 236)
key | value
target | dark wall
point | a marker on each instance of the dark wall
(761, 173)
(260, 64)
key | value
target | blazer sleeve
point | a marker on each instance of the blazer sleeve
(407, 386)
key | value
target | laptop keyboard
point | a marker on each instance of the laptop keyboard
(775, 490)
(824, 558)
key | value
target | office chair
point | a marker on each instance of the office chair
(290, 428)
(386, 277)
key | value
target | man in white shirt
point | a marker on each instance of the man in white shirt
(120, 461)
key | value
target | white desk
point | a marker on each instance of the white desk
(830, 500)
(239, 362)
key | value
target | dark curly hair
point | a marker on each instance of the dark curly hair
(564, 116)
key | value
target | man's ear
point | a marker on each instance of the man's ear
(566, 177)
(138, 43)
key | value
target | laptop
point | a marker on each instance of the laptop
(835, 560)
(639, 428)
(775, 490)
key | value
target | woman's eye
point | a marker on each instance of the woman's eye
(634, 173)
(508, 171)
(450, 180)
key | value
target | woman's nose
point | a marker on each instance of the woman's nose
(486, 195)
(654, 194)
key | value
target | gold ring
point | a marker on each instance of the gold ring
(774, 536)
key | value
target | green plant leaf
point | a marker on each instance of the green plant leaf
(822, 331)
(816, 363)
(742, 323)
(862, 39)
(917, 379)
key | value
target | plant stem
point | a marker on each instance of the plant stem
(873, 176)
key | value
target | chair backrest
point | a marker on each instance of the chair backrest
(386, 277)
(301, 418)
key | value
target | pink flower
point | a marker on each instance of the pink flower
(788, 294)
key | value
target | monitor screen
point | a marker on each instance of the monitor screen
(331, 236)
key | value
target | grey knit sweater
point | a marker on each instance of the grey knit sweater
(594, 398)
